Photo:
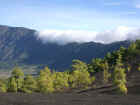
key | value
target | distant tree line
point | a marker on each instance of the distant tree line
(48, 81)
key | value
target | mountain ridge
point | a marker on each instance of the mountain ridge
(20, 45)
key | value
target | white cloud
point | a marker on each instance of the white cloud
(68, 36)
(119, 34)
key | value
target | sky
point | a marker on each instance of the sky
(74, 16)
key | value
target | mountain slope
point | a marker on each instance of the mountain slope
(20, 45)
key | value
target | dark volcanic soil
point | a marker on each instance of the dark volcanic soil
(67, 99)
(99, 96)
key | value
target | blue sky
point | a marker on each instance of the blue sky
(94, 15)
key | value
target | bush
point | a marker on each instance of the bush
(3, 87)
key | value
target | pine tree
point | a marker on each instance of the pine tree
(12, 85)
(16, 80)
(3, 87)
(119, 77)
(18, 74)
(106, 74)
(30, 84)
(60, 80)
(45, 81)
(80, 77)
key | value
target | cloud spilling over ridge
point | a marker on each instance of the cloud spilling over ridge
(80, 36)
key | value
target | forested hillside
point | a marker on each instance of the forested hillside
(116, 73)
(20, 45)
